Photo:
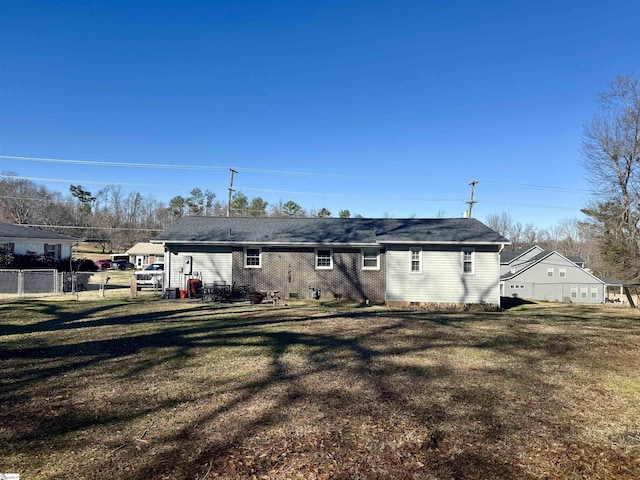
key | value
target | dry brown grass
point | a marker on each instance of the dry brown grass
(162, 390)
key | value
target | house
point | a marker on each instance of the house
(22, 240)
(537, 274)
(406, 261)
(145, 253)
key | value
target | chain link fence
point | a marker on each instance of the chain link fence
(42, 281)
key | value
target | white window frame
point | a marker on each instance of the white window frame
(418, 251)
(574, 291)
(550, 272)
(246, 257)
(364, 251)
(593, 292)
(562, 272)
(318, 257)
(471, 261)
(584, 293)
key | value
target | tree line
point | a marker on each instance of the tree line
(608, 240)
(117, 220)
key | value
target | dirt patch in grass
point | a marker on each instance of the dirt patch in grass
(147, 389)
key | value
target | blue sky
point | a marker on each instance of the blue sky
(378, 107)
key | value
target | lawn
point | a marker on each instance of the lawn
(141, 388)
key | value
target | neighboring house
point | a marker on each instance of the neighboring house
(536, 274)
(21, 240)
(145, 253)
(410, 261)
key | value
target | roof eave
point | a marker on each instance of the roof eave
(218, 243)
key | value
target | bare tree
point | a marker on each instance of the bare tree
(611, 157)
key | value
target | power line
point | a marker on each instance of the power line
(253, 170)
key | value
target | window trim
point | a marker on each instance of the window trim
(472, 262)
(417, 250)
(317, 257)
(551, 272)
(562, 272)
(593, 292)
(370, 250)
(245, 257)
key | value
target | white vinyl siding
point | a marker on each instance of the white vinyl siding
(441, 279)
(215, 266)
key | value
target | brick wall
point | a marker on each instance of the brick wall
(292, 271)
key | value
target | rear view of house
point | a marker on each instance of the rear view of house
(400, 261)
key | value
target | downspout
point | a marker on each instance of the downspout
(498, 273)
(167, 255)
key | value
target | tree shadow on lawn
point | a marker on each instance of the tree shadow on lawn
(381, 399)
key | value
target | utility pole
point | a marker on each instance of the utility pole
(230, 192)
(471, 201)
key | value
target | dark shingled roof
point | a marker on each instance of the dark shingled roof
(295, 231)
(8, 230)
(506, 257)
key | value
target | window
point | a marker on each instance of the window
(416, 260)
(468, 261)
(252, 258)
(549, 271)
(324, 259)
(583, 292)
(370, 259)
(574, 292)
(6, 248)
(594, 293)
(562, 272)
(50, 250)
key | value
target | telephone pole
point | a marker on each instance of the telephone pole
(471, 201)
(230, 192)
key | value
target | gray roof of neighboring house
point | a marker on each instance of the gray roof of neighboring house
(612, 281)
(145, 248)
(575, 258)
(506, 257)
(296, 231)
(9, 231)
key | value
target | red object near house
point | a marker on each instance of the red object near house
(194, 288)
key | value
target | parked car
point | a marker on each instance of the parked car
(122, 265)
(103, 264)
(151, 276)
